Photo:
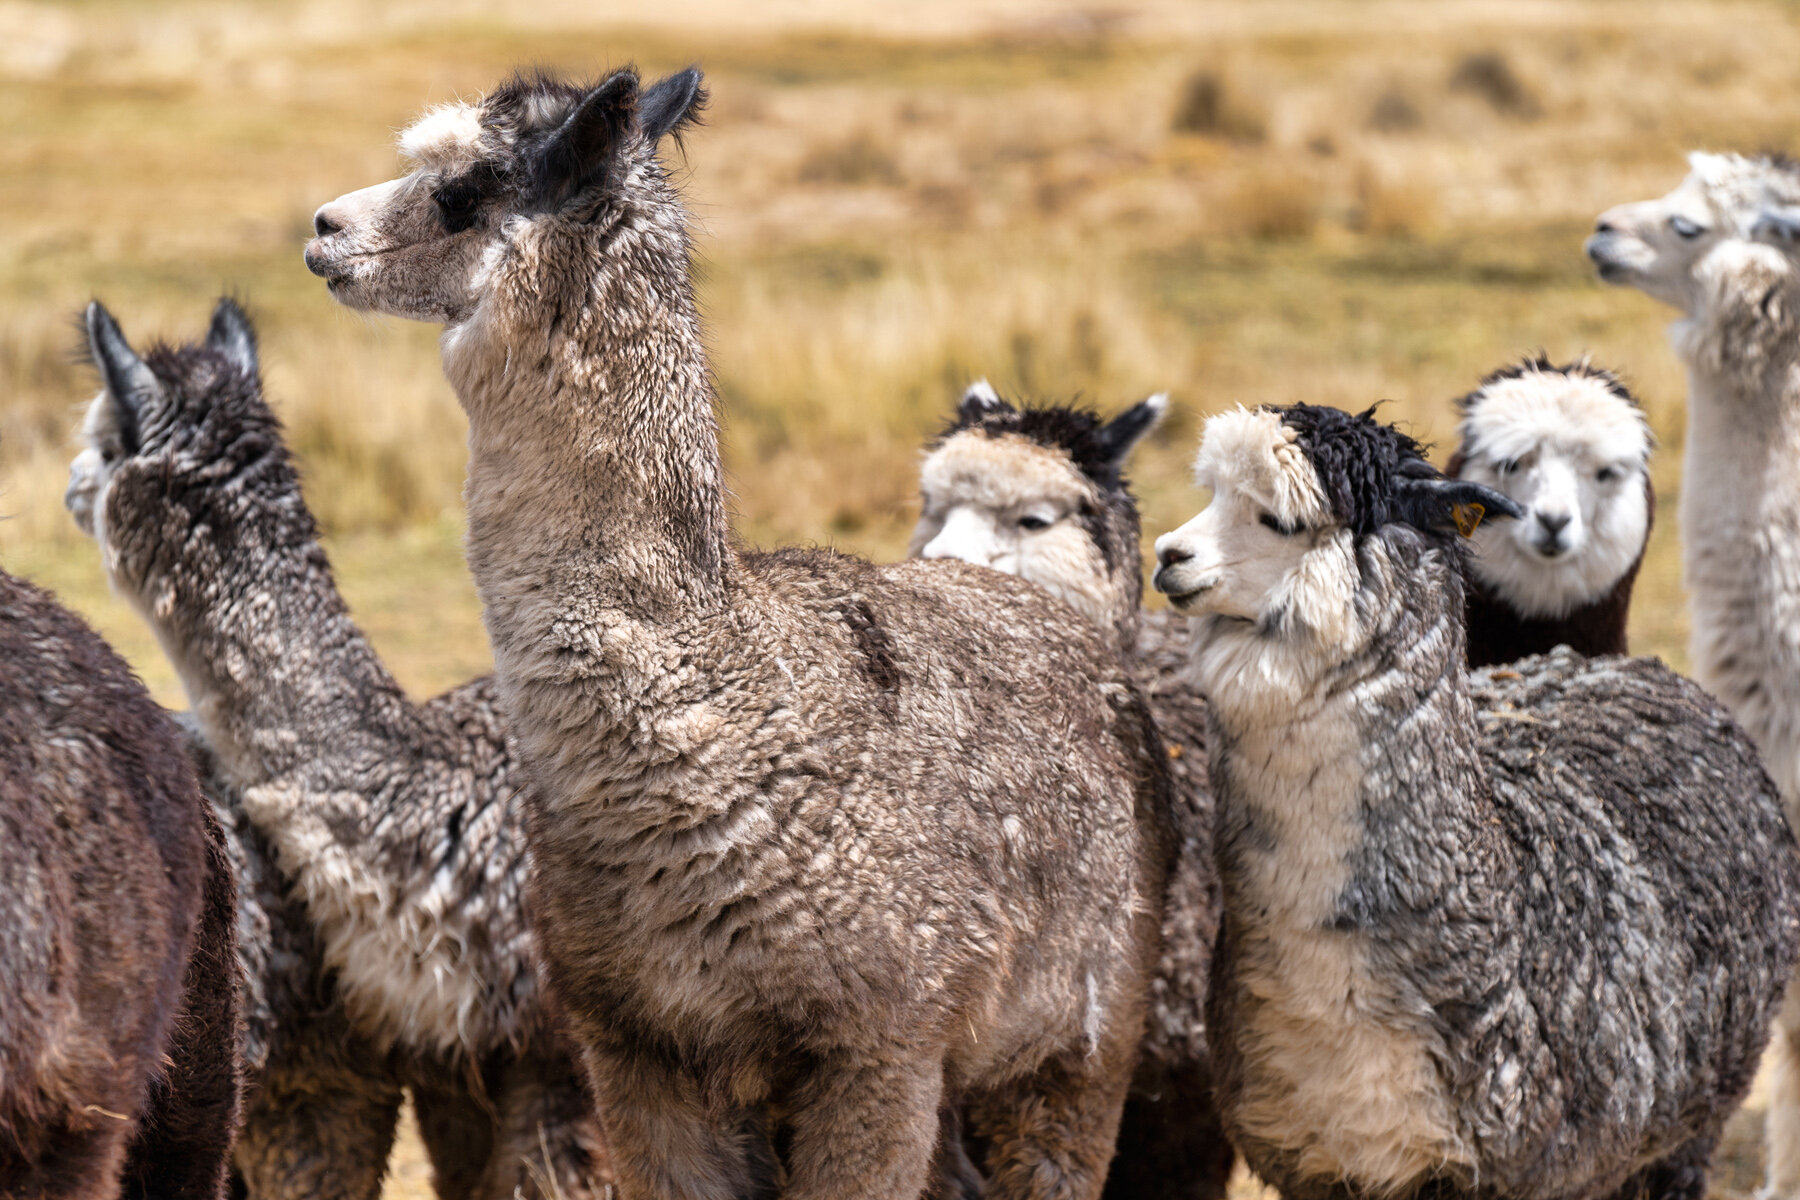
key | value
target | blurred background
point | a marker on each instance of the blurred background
(1336, 201)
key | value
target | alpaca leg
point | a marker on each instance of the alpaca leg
(1172, 1144)
(73, 1161)
(183, 1147)
(1679, 1176)
(865, 1131)
(668, 1142)
(954, 1175)
(322, 1122)
(457, 1127)
(1782, 1130)
(1051, 1136)
(549, 1142)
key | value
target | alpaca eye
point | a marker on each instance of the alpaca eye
(1271, 521)
(1033, 521)
(1507, 466)
(1685, 228)
(457, 203)
(1606, 474)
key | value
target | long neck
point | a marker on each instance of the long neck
(596, 507)
(1740, 515)
(1499, 633)
(1330, 788)
(247, 610)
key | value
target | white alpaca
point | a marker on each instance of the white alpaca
(1716, 248)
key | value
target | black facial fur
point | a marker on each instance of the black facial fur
(1374, 475)
(584, 149)
(1077, 432)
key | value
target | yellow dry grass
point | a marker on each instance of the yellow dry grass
(1325, 200)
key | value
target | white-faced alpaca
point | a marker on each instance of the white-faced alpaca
(1718, 249)
(1040, 493)
(119, 990)
(1571, 447)
(1523, 944)
(820, 845)
(396, 822)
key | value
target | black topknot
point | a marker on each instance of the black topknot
(1073, 430)
(1374, 475)
(1540, 363)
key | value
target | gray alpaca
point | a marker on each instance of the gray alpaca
(1040, 492)
(1521, 939)
(119, 1024)
(821, 846)
(394, 821)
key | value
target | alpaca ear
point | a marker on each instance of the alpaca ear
(584, 147)
(1778, 225)
(232, 335)
(979, 400)
(671, 105)
(129, 383)
(1120, 436)
(1439, 505)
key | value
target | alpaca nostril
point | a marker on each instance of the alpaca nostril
(1605, 226)
(1553, 522)
(1173, 555)
(324, 226)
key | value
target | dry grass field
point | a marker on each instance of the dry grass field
(1338, 201)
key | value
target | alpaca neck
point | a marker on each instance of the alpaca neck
(1309, 780)
(1740, 517)
(1499, 633)
(1336, 799)
(596, 509)
(279, 676)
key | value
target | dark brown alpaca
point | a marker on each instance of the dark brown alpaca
(822, 847)
(1570, 445)
(119, 1022)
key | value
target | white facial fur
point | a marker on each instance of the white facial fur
(1234, 560)
(1013, 505)
(92, 469)
(1572, 454)
(1659, 246)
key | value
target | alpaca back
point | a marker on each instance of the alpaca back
(115, 902)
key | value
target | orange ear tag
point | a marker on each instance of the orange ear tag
(1467, 517)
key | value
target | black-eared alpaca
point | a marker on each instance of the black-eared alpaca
(1571, 447)
(809, 872)
(1521, 937)
(1041, 493)
(394, 825)
(119, 988)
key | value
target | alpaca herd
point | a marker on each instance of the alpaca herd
(1371, 860)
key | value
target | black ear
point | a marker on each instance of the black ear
(585, 146)
(232, 335)
(1120, 436)
(1778, 225)
(1440, 505)
(129, 383)
(670, 105)
(980, 399)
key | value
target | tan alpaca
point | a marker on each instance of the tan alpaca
(822, 847)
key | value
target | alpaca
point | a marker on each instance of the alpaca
(1509, 940)
(822, 848)
(1718, 249)
(1040, 493)
(119, 1022)
(394, 821)
(1571, 447)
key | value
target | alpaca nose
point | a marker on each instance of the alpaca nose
(1553, 522)
(1172, 555)
(323, 224)
(1605, 226)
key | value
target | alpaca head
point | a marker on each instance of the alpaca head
(175, 440)
(1571, 447)
(535, 149)
(1039, 493)
(1730, 214)
(1318, 519)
